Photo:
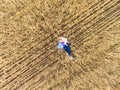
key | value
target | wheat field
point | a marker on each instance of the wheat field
(30, 60)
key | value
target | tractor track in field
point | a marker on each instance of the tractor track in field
(40, 66)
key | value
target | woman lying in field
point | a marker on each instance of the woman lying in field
(64, 44)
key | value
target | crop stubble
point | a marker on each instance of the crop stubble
(30, 59)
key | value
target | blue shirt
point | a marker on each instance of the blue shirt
(60, 45)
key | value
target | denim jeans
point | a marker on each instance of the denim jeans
(67, 49)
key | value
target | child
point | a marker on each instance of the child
(64, 44)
